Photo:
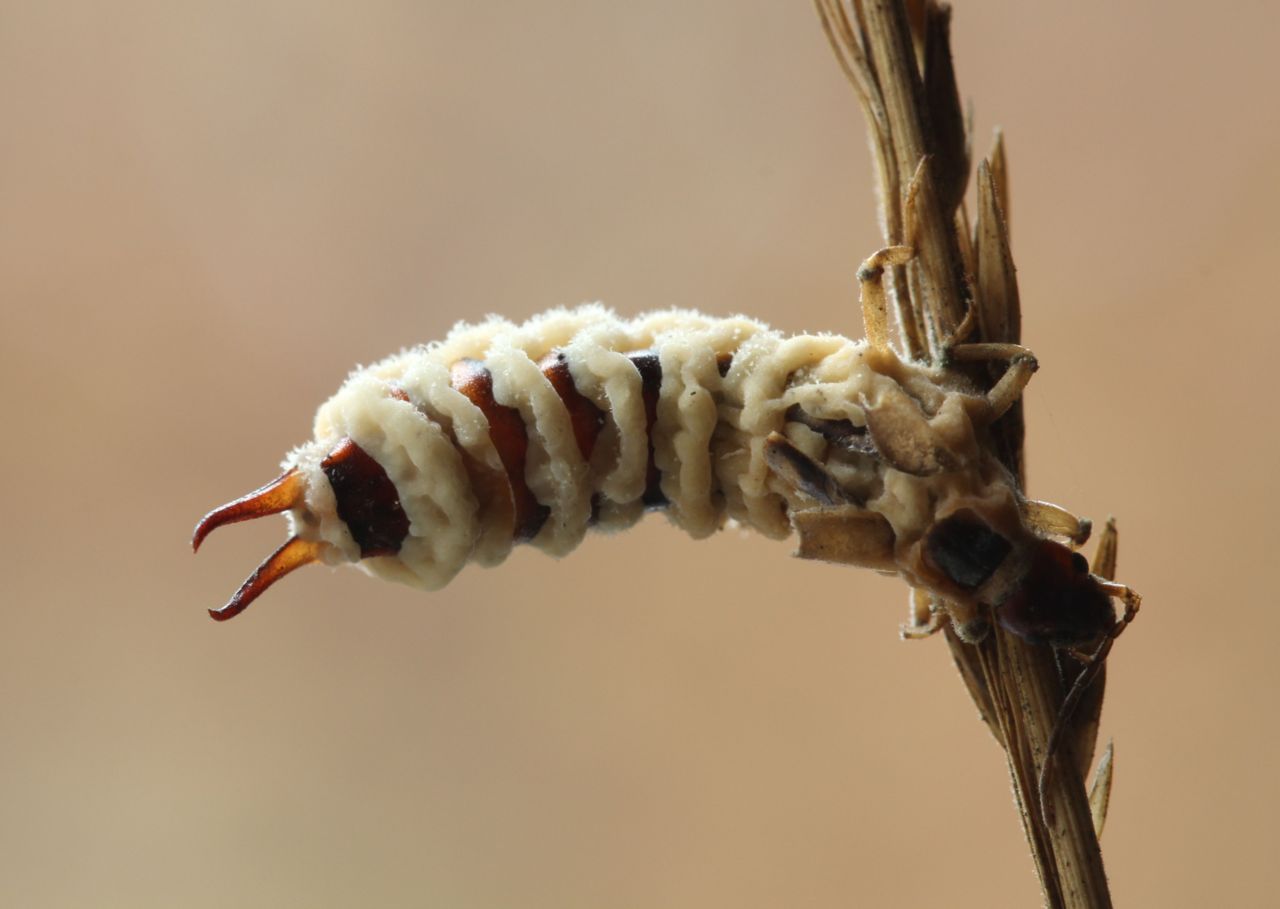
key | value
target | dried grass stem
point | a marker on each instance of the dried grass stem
(897, 56)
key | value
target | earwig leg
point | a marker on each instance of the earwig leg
(920, 605)
(970, 625)
(1009, 389)
(925, 621)
(1056, 521)
(1022, 366)
(910, 632)
(964, 329)
(1104, 557)
(875, 310)
(985, 352)
(1132, 602)
(1093, 663)
(1084, 657)
(1082, 731)
(802, 472)
(845, 535)
(902, 435)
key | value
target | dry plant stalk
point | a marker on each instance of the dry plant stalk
(897, 56)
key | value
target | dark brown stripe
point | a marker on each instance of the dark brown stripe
(510, 438)
(646, 362)
(367, 500)
(723, 362)
(587, 419)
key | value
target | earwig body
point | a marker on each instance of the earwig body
(455, 452)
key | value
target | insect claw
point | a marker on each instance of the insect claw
(909, 632)
(281, 494)
(293, 554)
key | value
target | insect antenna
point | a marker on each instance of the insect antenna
(1093, 666)
(281, 494)
(295, 553)
(1086, 678)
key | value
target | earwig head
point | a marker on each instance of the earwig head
(1058, 601)
(342, 507)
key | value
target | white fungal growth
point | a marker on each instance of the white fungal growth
(726, 386)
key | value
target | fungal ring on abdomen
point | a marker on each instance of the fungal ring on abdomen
(501, 434)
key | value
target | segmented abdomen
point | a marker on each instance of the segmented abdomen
(534, 433)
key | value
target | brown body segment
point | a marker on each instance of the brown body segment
(511, 439)
(586, 418)
(367, 500)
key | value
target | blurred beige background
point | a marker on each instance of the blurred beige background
(211, 211)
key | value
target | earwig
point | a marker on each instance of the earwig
(454, 452)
